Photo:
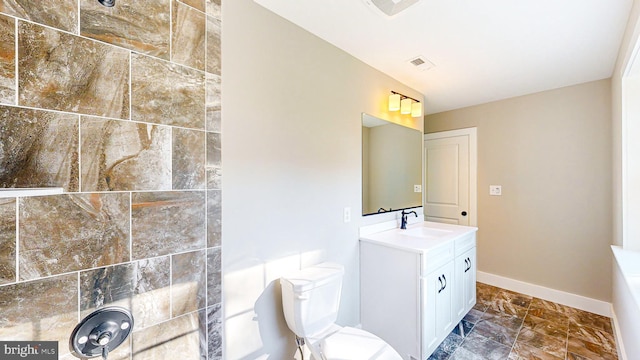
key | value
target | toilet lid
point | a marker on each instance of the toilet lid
(355, 344)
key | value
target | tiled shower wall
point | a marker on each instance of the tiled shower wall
(120, 107)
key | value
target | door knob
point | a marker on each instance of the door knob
(464, 213)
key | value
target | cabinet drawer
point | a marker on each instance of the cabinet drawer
(437, 257)
(465, 243)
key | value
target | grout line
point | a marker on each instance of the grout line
(78, 25)
(17, 204)
(79, 298)
(16, 39)
(79, 153)
(130, 85)
(171, 286)
(130, 226)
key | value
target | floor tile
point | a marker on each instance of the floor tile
(551, 345)
(467, 326)
(495, 332)
(586, 318)
(596, 336)
(550, 305)
(589, 350)
(504, 306)
(485, 347)
(474, 315)
(545, 327)
(523, 351)
(550, 315)
(447, 347)
(515, 298)
(503, 319)
(464, 354)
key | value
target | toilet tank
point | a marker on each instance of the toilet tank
(311, 298)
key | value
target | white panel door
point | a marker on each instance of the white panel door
(447, 180)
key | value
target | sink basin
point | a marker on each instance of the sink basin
(425, 232)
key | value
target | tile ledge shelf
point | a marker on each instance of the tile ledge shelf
(22, 192)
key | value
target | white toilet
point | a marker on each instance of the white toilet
(310, 300)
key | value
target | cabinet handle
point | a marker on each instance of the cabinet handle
(441, 287)
(468, 261)
(466, 264)
(445, 282)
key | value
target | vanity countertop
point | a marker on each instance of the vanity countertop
(420, 237)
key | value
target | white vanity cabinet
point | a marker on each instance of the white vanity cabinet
(413, 285)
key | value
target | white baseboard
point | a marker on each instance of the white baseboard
(577, 301)
(622, 355)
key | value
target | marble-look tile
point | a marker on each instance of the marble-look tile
(486, 293)
(214, 218)
(503, 319)
(7, 59)
(182, 338)
(585, 318)
(505, 306)
(214, 102)
(487, 348)
(44, 309)
(188, 282)
(495, 332)
(522, 351)
(545, 327)
(514, 298)
(214, 329)
(572, 356)
(167, 93)
(188, 165)
(60, 14)
(474, 315)
(165, 223)
(188, 34)
(588, 350)
(39, 149)
(464, 354)
(64, 72)
(550, 305)
(450, 343)
(141, 286)
(139, 25)
(196, 4)
(549, 315)
(124, 155)
(214, 161)
(466, 328)
(549, 344)
(214, 276)
(597, 336)
(214, 46)
(214, 8)
(439, 354)
(63, 233)
(7, 240)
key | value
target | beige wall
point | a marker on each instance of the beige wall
(551, 152)
(292, 106)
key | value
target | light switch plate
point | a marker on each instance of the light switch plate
(417, 188)
(495, 190)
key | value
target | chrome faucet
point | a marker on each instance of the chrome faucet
(403, 223)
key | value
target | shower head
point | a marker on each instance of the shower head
(107, 3)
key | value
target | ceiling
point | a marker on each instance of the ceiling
(483, 50)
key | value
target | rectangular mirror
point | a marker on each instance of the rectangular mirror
(391, 166)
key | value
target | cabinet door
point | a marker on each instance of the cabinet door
(464, 291)
(436, 311)
(469, 281)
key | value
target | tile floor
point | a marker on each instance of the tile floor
(505, 325)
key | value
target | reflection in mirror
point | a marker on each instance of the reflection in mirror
(391, 166)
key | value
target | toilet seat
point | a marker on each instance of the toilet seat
(355, 344)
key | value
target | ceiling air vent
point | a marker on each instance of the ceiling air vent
(421, 63)
(391, 7)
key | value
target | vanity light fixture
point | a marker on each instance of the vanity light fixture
(394, 101)
(406, 105)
